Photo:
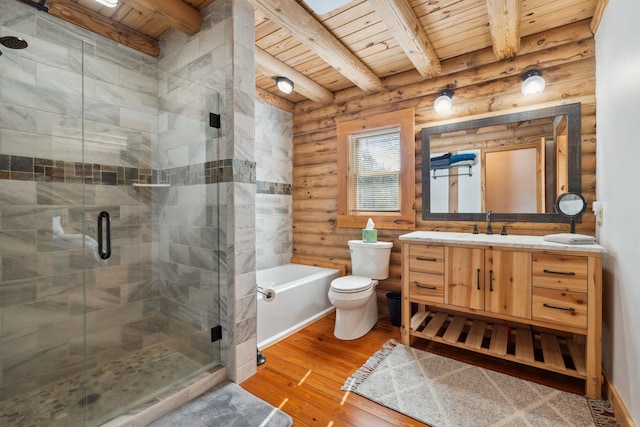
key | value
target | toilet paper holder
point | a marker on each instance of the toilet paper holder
(268, 294)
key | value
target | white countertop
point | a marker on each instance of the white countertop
(514, 241)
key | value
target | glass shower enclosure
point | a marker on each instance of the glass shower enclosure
(109, 278)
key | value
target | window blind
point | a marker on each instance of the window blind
(375, 171)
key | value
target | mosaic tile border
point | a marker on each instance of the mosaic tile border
(266, 187)
(20, 168)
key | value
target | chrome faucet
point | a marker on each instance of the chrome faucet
(489, 227)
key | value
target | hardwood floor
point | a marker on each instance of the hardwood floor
(304, 373)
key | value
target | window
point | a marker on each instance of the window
(375, 171)
(376, 167)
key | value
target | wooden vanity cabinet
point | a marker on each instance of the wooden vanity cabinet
(465, 277)
(426, 273)
(560, 289)
(497, 281)
(524, 300)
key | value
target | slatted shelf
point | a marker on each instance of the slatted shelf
(454, 329)
(476, 333)
(577, 354)
(524, 345)
(565, 355)
(499, 340)
(433, 327)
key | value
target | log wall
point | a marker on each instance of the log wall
(483, 86)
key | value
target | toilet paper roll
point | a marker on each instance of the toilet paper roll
(268, 294)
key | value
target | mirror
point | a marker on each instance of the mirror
(572, 206)
(515, 165)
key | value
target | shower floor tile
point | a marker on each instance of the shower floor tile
(111, 388)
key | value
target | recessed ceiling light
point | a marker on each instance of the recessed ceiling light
(320, 7)
(109, 3)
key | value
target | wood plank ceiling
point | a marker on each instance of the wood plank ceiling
(357, 45)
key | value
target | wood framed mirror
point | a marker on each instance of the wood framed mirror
(521, 163)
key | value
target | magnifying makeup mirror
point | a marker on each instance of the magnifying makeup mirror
(572, 206)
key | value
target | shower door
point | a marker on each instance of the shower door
(153, 305)
(93, 324)
(43, 270)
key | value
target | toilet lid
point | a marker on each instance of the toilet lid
(349, 284)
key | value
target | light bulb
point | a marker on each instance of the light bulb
(284, 84)
(443, 102)
(532, 83)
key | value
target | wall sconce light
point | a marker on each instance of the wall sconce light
(443, 101)
(109, 3)
(284, 84)
(532, 83)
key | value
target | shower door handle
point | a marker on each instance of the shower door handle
(104, 218)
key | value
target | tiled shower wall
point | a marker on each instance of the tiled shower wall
(222, 55)
(274, 156)
(130, 305)
(42, 276)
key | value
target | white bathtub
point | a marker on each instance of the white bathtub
(301, 298)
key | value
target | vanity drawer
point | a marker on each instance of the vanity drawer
(425, 286)
(560, 272)
(561, 307)
(426, 258)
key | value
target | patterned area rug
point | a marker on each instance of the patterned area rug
(227, 405)
(442, 392)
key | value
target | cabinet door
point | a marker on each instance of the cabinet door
(508, 283)
(464, 277)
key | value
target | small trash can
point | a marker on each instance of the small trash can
(394, 301)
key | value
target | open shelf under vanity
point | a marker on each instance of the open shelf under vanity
(564, 354)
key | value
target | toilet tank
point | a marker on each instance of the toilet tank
(370, 259)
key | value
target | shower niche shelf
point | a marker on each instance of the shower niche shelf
(137, 184)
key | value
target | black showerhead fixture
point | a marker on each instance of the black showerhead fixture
(13, 42)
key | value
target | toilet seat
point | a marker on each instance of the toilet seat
(351, 284)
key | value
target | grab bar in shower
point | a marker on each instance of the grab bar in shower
(104, 218)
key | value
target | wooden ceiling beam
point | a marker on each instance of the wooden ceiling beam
(302, 84)
(276, 101)
(295, 19)
(94, 22)
(174, 13)
(504, 23)
(400, 19)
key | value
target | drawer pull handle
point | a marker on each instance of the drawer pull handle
(564, 273)
(555, 307)
(426, 259)
(478, 278)
(490, 280)
(431, 288)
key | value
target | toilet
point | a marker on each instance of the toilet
(354, 296)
